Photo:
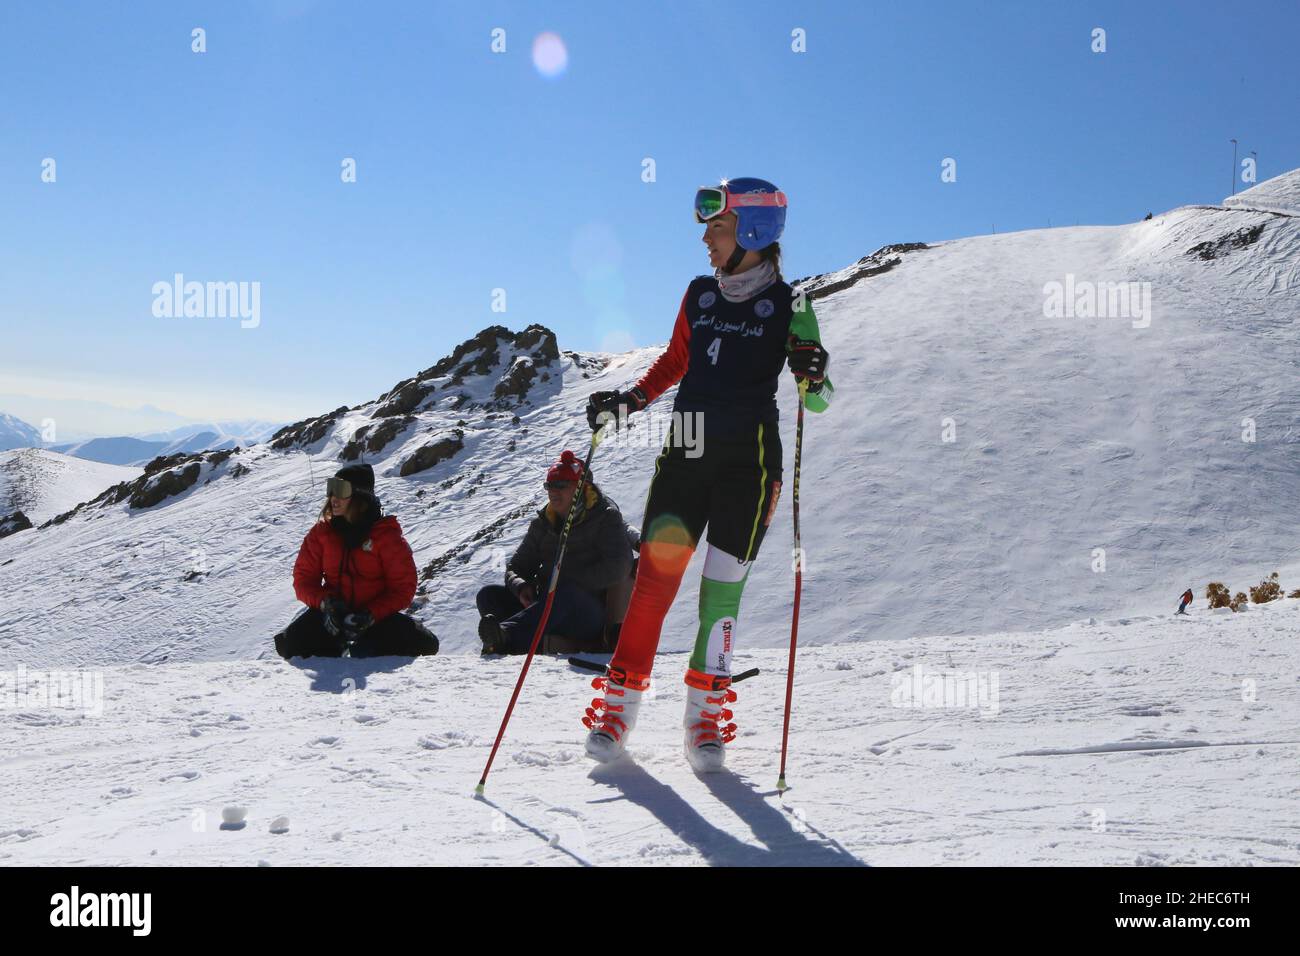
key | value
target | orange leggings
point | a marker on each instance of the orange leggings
(658, 576)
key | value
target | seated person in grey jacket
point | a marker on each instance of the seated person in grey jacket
(597, 558)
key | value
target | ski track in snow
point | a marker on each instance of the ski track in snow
(1119, 747)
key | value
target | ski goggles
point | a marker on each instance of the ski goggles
(713, 201)
(338, 487)
(559, 485)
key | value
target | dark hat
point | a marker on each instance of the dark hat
(362, 477)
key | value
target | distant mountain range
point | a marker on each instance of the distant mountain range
(137, 450)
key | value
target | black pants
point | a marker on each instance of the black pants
(395, 636)
(731, 489)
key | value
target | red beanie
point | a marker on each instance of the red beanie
(568, 468)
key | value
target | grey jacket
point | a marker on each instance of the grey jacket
(598, 555)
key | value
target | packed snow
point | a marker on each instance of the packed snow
(1153, 740)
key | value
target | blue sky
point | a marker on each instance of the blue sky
(477, 172)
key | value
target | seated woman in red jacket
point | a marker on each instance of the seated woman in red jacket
(356, 574)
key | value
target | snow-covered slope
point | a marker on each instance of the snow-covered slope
(1138, 741)
(42, 483)
(985, 467)
(16, 433)
(1281, 195)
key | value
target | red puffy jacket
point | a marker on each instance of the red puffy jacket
(379, 576)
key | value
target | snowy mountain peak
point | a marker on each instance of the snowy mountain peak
(494, 370)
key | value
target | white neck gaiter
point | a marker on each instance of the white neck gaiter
(745, 285)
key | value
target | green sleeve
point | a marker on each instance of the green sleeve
(803, 324)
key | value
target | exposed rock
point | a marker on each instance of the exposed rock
(879, 262)
(477, 356)
(514, 384)
(539, 341)
(352, 450)
(239, 471)
(163, 462)
(166, 485)
(14, 523)
(486, 342)
(378, 440)
(386, 432)
(307, 431)
(588, 363)
(430, 455)
(1240, 239)
(403, 400)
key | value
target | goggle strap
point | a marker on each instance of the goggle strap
(755, 199)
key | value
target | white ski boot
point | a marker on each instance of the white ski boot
(706, 736)
(611, 719)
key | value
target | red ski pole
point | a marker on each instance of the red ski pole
(596, 436)
(798, 585)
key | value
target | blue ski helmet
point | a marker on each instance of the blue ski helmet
(757, 226)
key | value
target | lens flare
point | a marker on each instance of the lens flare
(549, 55)
(669, 548)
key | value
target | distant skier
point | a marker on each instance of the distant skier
(356, 575)
(595, 578)
(735, 331)
(1186, 599)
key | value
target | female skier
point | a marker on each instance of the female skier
(735, 331)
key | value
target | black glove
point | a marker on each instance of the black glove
(356, 624)
(334, 610)
(808, 360)
(620, 404)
